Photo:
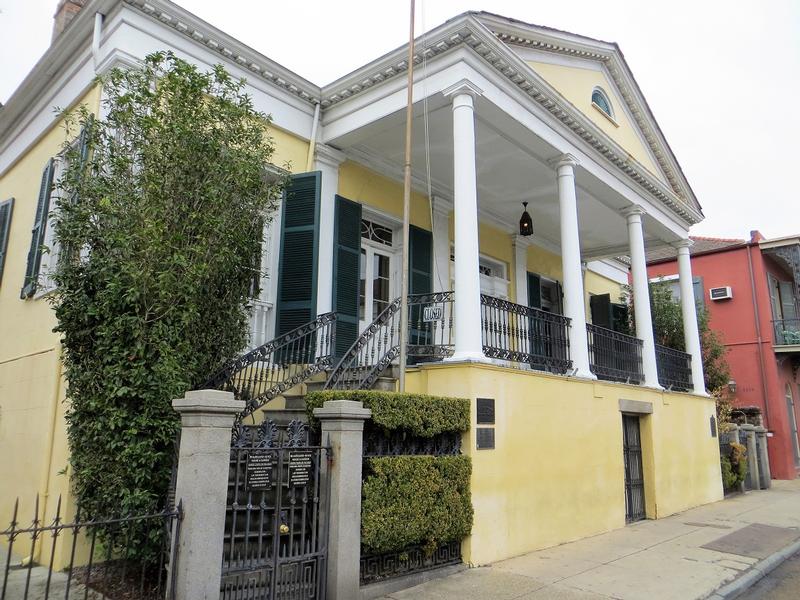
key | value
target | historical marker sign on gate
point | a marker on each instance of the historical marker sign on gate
(259, 470)
(300, 464)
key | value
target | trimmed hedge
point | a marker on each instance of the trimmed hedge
(410, 500)
(418, 414)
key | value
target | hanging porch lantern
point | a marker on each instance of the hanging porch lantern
(525, 222)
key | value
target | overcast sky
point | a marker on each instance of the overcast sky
(722, 77)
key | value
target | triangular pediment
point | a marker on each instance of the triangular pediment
(575, 66)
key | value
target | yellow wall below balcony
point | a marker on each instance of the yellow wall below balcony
(557, 471)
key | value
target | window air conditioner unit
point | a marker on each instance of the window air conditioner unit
(721, 293)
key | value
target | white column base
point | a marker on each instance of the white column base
(468, 357)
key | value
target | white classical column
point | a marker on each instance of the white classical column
(327, 161)
(468, 345)
(520, 245)
(641, 295)
(441, 244)
(691, 333)
(571, 265)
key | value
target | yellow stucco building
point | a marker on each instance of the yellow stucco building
(515, 114)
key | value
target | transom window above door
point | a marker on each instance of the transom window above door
(375, 232)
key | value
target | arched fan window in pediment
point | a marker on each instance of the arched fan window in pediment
(601, 101)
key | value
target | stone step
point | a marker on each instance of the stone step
(385, 384)
(285, 416)
(295, 402)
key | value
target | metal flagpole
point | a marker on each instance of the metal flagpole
(406, 209)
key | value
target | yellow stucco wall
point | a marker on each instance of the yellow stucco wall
(32, 408)
(557, 471)
(291, 152)
(576, 85)
(360, 184)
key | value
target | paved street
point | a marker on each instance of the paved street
(683, 557)
(782, 584)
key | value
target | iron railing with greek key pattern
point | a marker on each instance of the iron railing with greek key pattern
(674, 368)
(525, 335)
(269, 370)
(614, 356)
(787, 332)
(430, 336)
(90, 558)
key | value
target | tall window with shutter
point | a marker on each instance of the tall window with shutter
(6, 210)
(297, 272)
(38, 232)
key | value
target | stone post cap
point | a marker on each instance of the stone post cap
(208, 402)
(747, 427)
(342, 410)
(760, 429)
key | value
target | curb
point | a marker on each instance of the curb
(757, 572)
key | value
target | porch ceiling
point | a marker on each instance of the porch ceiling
(512, 167)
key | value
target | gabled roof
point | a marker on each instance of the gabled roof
(519, 33)
(701, 245)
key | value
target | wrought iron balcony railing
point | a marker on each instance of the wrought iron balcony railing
(525, 335)
(614, 356)
(674, 368)
(787, 332)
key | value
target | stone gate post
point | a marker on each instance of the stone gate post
(202, 485)
(752, 456)
(763, 458)
(343, 429)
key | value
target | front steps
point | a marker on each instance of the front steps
(291, 405)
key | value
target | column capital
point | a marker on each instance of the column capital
(329, 156)
(463, 87)
(631, 211)
(342, 410)
(564, 160)
(685, 243)
(523, 241)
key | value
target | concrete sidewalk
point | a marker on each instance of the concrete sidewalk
(715, 551)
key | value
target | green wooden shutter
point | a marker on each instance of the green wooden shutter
(600, 306)
(346, 277)
(420, 281)
(697, 288)
(788, 306)
(38, 232)
(297, 270)
(420, 258)
(6, 209)
(534, 291)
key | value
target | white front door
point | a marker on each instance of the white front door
(376, 289)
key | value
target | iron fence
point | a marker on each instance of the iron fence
(525, 335)
(787, 332)
(90, 558)
(674, 368)
(614, 356)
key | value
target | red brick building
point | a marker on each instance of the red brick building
(750, 291)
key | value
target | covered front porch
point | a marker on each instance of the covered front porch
(549, 301)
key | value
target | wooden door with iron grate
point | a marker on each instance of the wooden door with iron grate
(634, 476)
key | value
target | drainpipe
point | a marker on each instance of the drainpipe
(313, 141)
(98, 30)
(758, 336)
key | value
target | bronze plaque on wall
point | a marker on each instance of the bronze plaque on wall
(485, 411)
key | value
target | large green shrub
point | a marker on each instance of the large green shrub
(418, 414)
(409, 500)
(159, 222)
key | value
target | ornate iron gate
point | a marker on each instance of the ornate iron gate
(634, 477)
(275, 531)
